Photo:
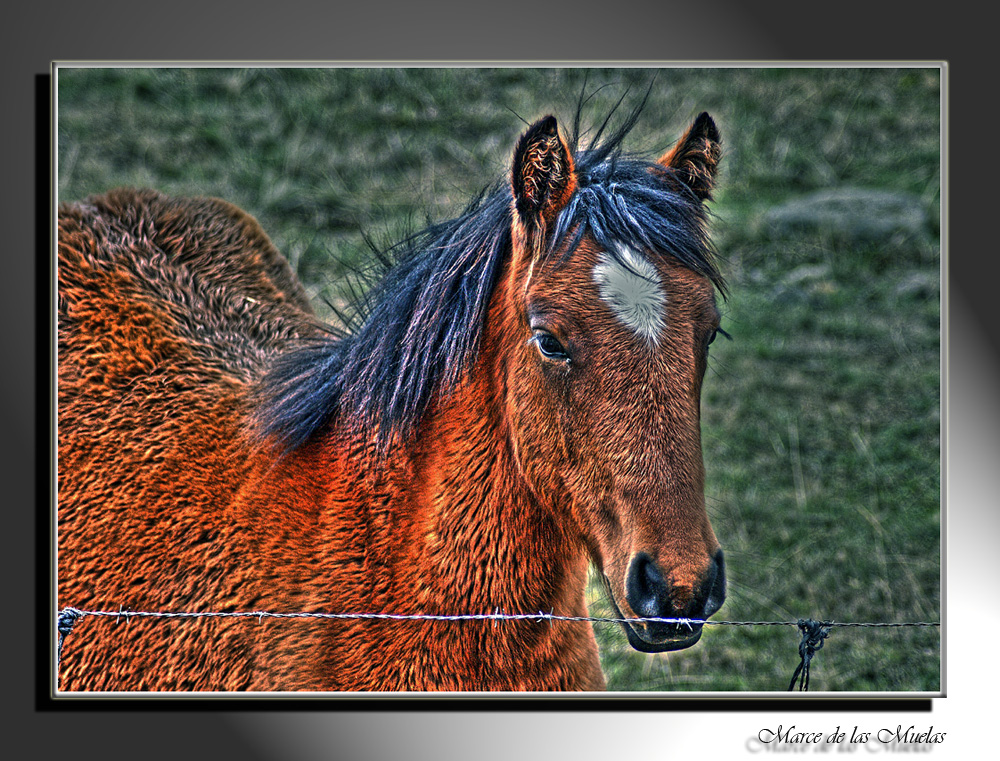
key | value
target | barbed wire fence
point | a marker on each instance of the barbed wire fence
(814, 633)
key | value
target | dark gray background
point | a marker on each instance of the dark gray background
(586, 30)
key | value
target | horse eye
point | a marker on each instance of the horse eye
(549, 346)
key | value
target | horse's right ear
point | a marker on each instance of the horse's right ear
(542, 175)
(695, 158)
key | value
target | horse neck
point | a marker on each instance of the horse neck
(445, 524)
(493, 542)
(464, 526)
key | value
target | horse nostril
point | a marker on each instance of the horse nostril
(645, 589)
(654, 578)
(715, 585)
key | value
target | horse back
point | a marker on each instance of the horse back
(167, 311)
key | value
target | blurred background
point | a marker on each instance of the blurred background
(821, 418)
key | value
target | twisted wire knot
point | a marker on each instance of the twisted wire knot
(64, 624)
(813, 634)
(67, 618)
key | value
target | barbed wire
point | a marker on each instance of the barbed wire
(494, 616)
(813, 632)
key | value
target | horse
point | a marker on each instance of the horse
(515, 401)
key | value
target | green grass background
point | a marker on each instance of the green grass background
(821, 418)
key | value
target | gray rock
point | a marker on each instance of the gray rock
(851, 215)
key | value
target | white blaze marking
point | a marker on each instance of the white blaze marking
(634, 292)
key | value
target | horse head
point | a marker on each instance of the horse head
(610, 308)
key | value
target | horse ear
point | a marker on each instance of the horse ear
(542, 175)
(695, 157)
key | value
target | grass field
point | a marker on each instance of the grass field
(822, 424)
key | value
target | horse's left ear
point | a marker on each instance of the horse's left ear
(695, 158)
(542, 175)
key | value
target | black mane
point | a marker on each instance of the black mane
(419, 326)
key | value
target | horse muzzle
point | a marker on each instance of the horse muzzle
(651, 596)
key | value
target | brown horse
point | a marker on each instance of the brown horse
(519, 397)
